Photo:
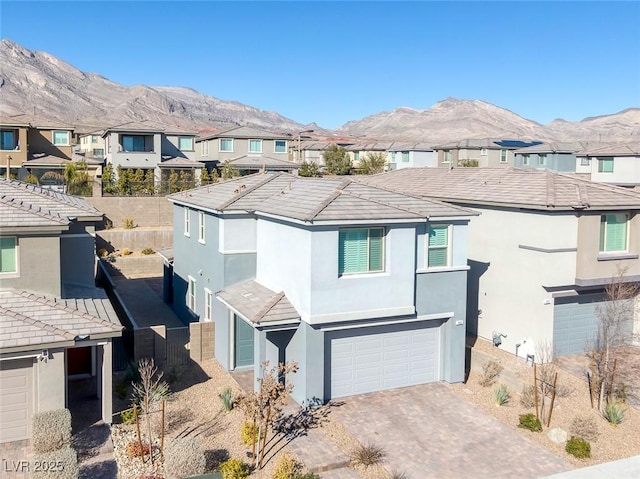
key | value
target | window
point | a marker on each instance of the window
(280, 146)
(438, 246)
(8, 257)
(503, 156)
(61, 138)
(133, 143)
(393, 157)
(605, 165)
(255, 146)
(447, 156)
(585, 161)
(201, 226)
(208, 305)
(187, 222)
(483, 152)
(226, 144)
(9, 140)
(356, 156)
(185, 143)
(405, 156)
(94, 138)
(525, 160)
(204, 148)
(360, 250)
(613, 232)
(191, 294)
(98, 152)
(542, 159)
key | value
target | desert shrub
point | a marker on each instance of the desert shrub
(249, 433)
(128, 416)
(287, 468)
(126, 252)
(128, 223)
(398, 475)
(136, 448)
(578, 447)
(530, 422)
(527, 397)
(234, 469)
(102, 253)
(368, 455)
(183, 457)
(622, 392)
(148, 251)
(121, 389)
(614, 413)
(501, 395)
(490, 371)
(226, 397)
(51, 430)
(585, 427)
(59, 464)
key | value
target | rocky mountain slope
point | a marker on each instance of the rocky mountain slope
(41, 84)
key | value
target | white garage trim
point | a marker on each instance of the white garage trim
(426, 317)
(17, 393)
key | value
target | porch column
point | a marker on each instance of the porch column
(107, 379)
(259, 355)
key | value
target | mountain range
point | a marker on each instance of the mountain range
(43, 85)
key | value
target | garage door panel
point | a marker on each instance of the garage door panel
(383, 358)
(16, 399)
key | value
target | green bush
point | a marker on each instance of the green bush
(102, 253)
(51, 430)
(578, 447)
(530, 422)
(128, 223)
(614, 413)
(148, 251)
(234, 469)
(183, 457)
(249, 433)
(287, 468)
(501, 395)
(59, 464)
(226, 397)
(128, 416)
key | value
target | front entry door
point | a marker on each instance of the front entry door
(244, 343)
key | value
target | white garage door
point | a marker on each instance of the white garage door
(383, 357)
(16, 399)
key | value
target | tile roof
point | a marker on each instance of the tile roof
(179, 162)
(23, 204)
(256, 162)
(511, 187)
(46, 160)
(247, 132)
(29, 320)
(555, 147)
(621, 149)
(489, 143)
(314, 199)
(258, 304)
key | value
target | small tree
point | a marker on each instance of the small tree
(186, 180)
(205, 179)
(149, 182)
(373, 163)
(173, 182)
(32, 179)
(124, 181)
(108, 179)
(76, 177)
(337, 160)
(137, 181)
(309, 169)
(215, 177)
(229, 171)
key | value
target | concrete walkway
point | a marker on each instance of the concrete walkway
(623, 469)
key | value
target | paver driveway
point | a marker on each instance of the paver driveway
(430, 432)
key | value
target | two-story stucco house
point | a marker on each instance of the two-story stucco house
(55, 325)
(240, 142)
(411, 155)
(541, 252)
(614, 164)
(91, 144)
(559, 156)
(480, 152)
(362, 287)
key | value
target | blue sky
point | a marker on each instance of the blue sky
(331, 62)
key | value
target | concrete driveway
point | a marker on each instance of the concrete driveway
(430, 432)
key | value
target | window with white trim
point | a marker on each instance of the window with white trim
(503, 156)
(255, 146)
(360, 250)
(185, 143)
(8, 255)
(483, 152)
(447, 156)
(585, 161)
(204, 148)
(405, 156)
(438, 246)
(9, 140)
(525, 160)
(226, 144)
(605, 164)
(280, 146)
(614, 232)
(393, 157)
(61, 138)
(542, 159)
(208, 305)
(187, 222)
(201, 226)
(191, 294)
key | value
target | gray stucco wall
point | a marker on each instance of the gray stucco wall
(52, 386)
(555, 161)
(77, 256)
(306, 347)
(39, 265)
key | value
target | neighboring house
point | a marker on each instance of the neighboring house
(13, 144)
(486, 152)
(363, 288)
(613, 164)
(551, 156)
(361, 150)
(55, 325)
(241, 141)
(541, 252)
(92, 144)
(249, 164)
(312, 150)
(411, 155)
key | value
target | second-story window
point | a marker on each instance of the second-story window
(226, 144)
(191, 294)
(61, 138)
(483, 152)
(542, 159)
(280, 146)
(585, 161)
(393, 157)
(447, 156)
(9, 140)
(201, 226)
(136, 143)
(405, 156)
(613, 232)
(255, 146)
(8, 255)
(360, 250)
(94, 138)
(204, 148)
(185, 143)
(525, 160)
(605, 165)
(208, 305)
(503, 156)
(438, 246)
(98, 152)
(187, 222)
